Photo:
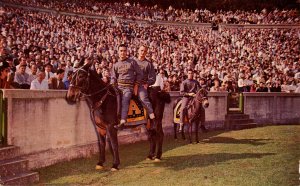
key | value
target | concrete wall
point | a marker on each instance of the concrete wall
(273, 108)
(48, 130)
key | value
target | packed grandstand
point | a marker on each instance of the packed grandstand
(225, 59)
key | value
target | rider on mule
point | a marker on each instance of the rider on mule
(148, 79)
(127, 75)
(188, 89)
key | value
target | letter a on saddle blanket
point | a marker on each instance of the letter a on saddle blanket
(137, 114)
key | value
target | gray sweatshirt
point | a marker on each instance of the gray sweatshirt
(147, 68)
(126, 73)
(189, 86)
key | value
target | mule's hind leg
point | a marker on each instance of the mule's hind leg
(190, 131)
(197, 130)
(112, 140)
(152, 141)
(182, 132)
(159, 140)
(175, 130)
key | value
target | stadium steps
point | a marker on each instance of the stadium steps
(14, 169)
(238, 121)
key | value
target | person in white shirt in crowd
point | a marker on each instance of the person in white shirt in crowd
(242, 83)
(39, 83)
(160, 78)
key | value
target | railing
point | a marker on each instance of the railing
(3, 120)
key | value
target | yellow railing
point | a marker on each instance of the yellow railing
(3, 120)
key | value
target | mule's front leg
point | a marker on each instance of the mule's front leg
(175, 130)
(114, 147)
(102, 143)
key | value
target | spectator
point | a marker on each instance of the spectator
(276, 87)
(49, 74)
(4, 75)
(68, 81)
(160, 78)
(174, 83)
(57, 82)
(262, 87)
(39, 83)
(216, 87)
(33, 73)
(21, 79)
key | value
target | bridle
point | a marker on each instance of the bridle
(86, 84)
(200, 100)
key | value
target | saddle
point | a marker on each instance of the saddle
(176, 111)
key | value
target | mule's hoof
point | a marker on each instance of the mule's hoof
(157, 160)
(114, 169)
(99, 167)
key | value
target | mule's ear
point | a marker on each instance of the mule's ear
(79, 63)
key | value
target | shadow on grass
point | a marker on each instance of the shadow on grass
(130, 155)
(229, 140)
(133, 154)
(203, 160)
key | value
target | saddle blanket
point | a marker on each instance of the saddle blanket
(176, 112)
(137, 114)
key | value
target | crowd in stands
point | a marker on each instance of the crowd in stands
(48, 47)
(155, 13)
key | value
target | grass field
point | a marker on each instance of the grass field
(260, 156)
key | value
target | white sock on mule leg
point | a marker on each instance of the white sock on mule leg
(180, 126)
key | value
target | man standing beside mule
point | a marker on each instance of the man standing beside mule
(127, 75)
(148, 79)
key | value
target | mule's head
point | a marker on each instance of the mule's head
(79, 84)
(201, 98)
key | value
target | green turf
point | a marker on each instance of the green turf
(260, 156)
